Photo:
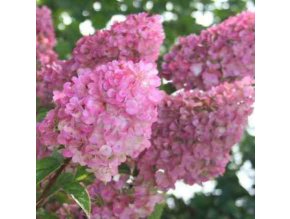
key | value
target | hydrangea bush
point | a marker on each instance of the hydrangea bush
(112, 138)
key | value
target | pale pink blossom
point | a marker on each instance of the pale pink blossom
(104, 115)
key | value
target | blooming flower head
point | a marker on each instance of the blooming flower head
(46, 135)
(124, 198)
(51, 77)
(224, 52)
(195, 132)
(138, 38)
(45, 38)
(68, 210)
(105, 115)
(109, 111)
(47, 65)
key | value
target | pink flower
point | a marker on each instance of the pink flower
(126, 197)
(69, 210)
(195, 132)
(45, 38)
(46, 135)
(51, 77)
(131, 199)
(224, 52)
(46, 65)
(104, 115)
(138, 38)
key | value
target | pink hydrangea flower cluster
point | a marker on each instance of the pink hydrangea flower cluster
(124, 199)
(104, 115)
(195, 132)
(51, 77)
(138, 38)
(46, 134)
(45, 38)
(108, 109)
(224, 52)
(69, 211)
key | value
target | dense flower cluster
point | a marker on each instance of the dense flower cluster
(108, 110)
(195, 132)
(48, 69)
(104, 115)
(70, 211)
(123, 199)
(224, 52)
(51, 77)
(138, 38)
(46, 134)
(45, 38)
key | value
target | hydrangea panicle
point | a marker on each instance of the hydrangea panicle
(195, 132)
(104, 115)
(45, 38)
(51, 77)
(124, 198)
(224, 52)
(108, 109)
(138, 38)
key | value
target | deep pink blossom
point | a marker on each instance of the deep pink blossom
(224, 52)
(104, 115)
(45, 38)
(124, 198)
(51, 77)
(195, 132)
(138, 38)
(46, 135)
(69, 211)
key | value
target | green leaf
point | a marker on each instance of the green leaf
(45, 167)
(124, 169)
(168, 88)
(63, 180)
(80, 195)
(43, 214)
(55, 154)
(82, 175)
(41, 114)
(157, 211)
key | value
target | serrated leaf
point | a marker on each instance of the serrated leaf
(157, 211)
(80, 195)
(45, 167)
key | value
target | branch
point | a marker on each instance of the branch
(51, 182)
